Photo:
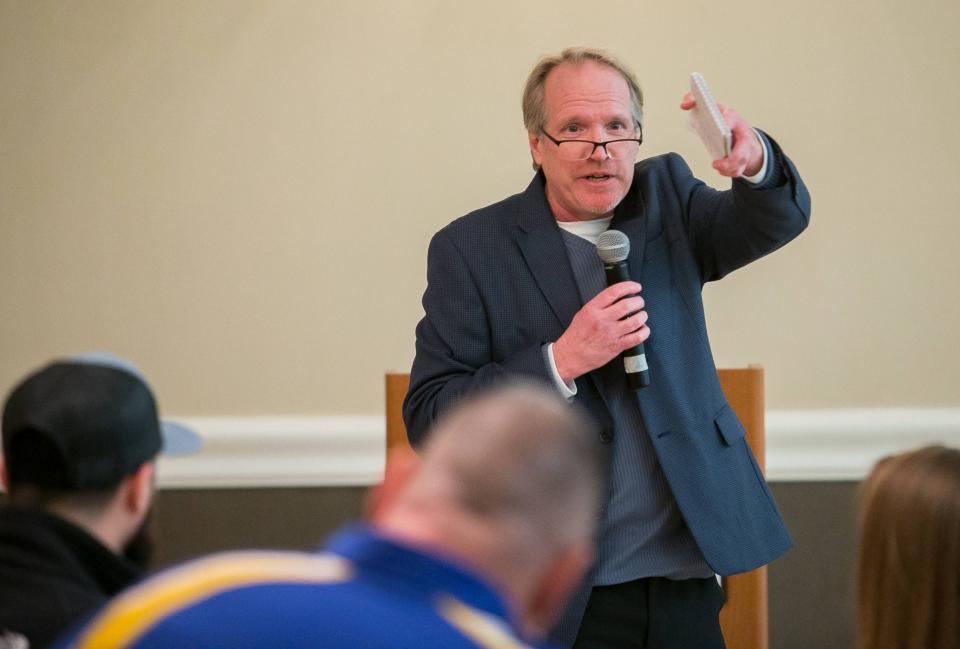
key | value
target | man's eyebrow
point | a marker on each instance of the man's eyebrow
(571, 119)
(626, 118)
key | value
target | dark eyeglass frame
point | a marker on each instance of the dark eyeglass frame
(638, 140)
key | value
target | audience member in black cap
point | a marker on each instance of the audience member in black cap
(80, 437)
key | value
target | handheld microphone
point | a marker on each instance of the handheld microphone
(613, 247)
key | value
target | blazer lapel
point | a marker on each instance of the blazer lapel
(541, 244)
(543, 249)
(630, 217)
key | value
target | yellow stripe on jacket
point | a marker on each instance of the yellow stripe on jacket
(132, 614)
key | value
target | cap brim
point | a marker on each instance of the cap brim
(178, 439)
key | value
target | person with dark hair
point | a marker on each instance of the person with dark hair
(517, 289)
(478, 542)
(80, 439)
(908, 566)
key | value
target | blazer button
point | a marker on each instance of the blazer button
(605, 436)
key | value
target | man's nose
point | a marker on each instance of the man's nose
(599, 153)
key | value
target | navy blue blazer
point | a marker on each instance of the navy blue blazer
(500, 286)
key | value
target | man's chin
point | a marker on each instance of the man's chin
(601, 204)
(599, 210)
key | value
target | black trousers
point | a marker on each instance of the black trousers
(653, 613)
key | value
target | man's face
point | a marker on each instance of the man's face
(587, 101)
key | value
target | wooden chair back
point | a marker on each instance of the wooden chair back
(744, 618)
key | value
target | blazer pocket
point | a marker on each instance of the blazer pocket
(730, 428)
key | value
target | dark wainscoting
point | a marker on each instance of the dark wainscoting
(191, 522)
(811, 588)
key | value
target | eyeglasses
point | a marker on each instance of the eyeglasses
(583, 149)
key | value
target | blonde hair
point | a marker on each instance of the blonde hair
(534, 112)
(908, 570)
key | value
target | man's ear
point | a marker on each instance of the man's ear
(140, 488)
(535, 142)
(4, 478)
(557, 585)
(402, 463)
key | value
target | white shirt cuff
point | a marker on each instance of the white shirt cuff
(567, 390)
(758, 178)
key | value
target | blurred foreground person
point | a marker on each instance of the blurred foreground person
(908, 573)
(477, 543)
(80, 437)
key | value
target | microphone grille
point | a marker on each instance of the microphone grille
(613, 246)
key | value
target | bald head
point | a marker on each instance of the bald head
(509, 483)
(517, 457)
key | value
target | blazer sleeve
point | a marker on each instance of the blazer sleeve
(454, 348)
(729, 229)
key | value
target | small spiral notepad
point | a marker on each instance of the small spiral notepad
(706, 120)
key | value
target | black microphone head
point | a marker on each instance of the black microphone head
(613, 246)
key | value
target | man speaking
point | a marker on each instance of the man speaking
(517, 288)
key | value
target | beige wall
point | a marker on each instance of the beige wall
(239, 195)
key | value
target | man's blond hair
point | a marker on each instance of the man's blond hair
(534, 112)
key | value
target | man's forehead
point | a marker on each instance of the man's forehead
(572, 87)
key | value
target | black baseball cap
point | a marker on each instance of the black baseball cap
(86, 422)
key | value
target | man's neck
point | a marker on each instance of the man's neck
(464, 540)
(93, 525)
(589, 230)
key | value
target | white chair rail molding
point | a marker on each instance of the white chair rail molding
(324, 451)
